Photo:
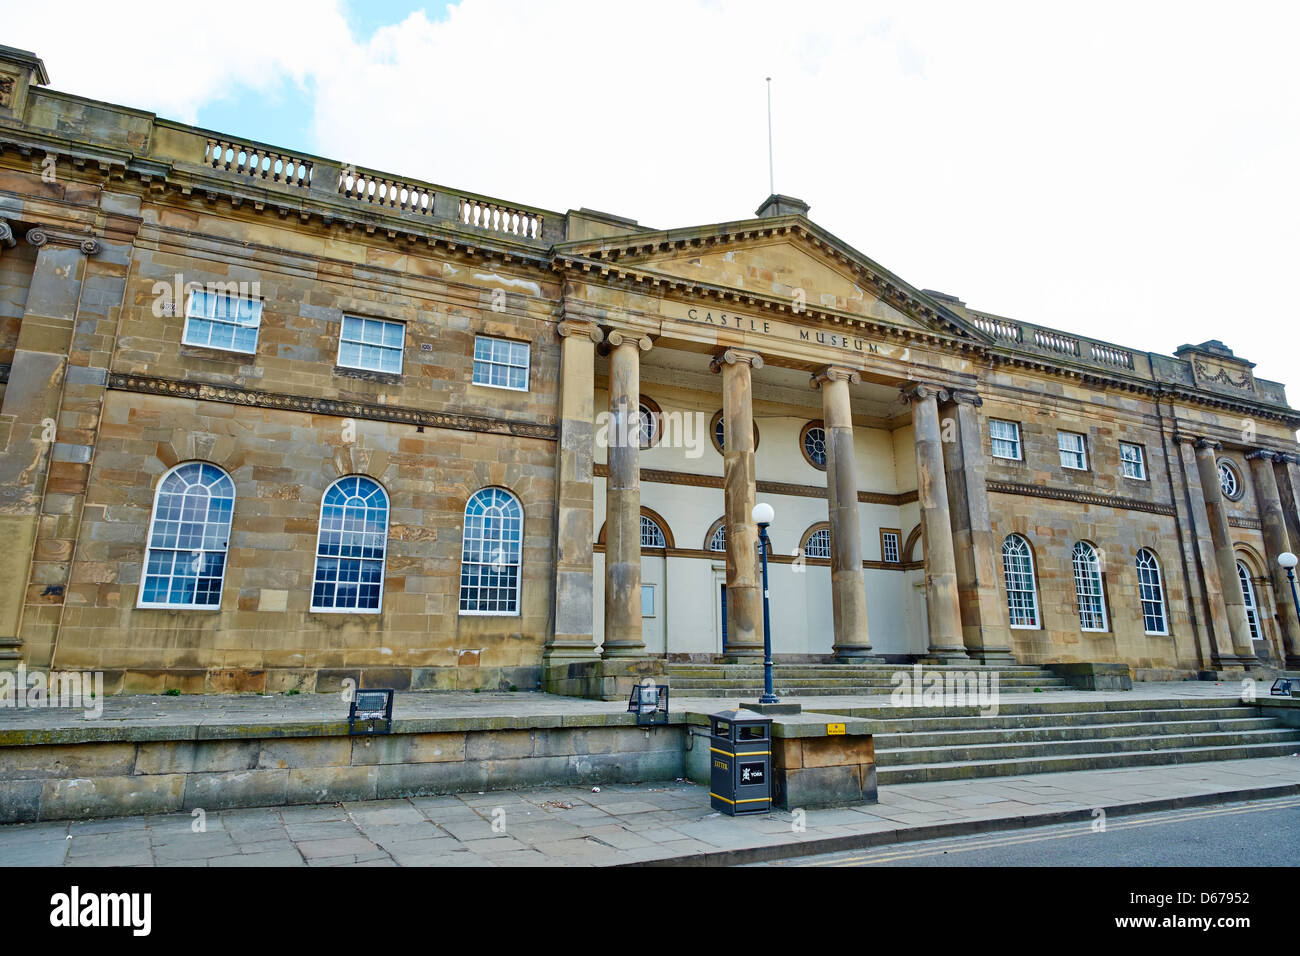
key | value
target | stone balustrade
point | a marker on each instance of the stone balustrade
(1003, 329)
(257, 162)
(380, 190)
(1110, 355)
(1056, 342)
(498, 218)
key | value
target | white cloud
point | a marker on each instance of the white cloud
(1122, 170)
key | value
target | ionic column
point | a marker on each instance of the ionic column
(848, 590)
(941, 595)
(571, 638)
(1234, 602)
(29, 412)
(744, 598)
(623, 498)
(1276, 540)
(985, 631)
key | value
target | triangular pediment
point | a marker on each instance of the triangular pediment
(788, 259)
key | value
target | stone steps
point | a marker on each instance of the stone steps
(1055, 736)
(819, 680)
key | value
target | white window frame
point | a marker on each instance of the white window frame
(224, 550)
(1095, 577)
(1032, 590)
(517, 563)
(1081, 451)
(383, 562)
(1140, 461)
(994, 439)
(209, 298)
(657, 534)
(400, 348)
(885, 538)
(721, 529)
(1252, 605)
(808, 542)
(1156, 586)
(1223, 465)
(527, 366)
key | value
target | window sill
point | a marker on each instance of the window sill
(368, 375)
(346, 610)
(502, 388)
(490, 614)
(177, 607)
(1025, 627)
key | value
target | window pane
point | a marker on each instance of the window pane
(350, 546)
(185, 560)
(500, 363)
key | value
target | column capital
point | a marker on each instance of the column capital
(1185, 439)
(1210, 443)
(617, 337)
(962, 396)
(1264, 454)
(834, 373)
(7, 234)
(579, 327)
(40, 236)
(1289, 457)
(923, 391)
(735, 357)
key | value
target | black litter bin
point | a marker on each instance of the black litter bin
(740, 758)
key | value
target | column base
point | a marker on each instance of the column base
(992, 655)
(619, 651)
(569, 652)
(1238, 662)
(947, 655)
(742, 654)
(601, 679)
(851, 653)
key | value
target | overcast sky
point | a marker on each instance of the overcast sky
(1127, 171)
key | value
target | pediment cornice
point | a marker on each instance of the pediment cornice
(641, 248)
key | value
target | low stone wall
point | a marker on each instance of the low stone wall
(98, 772)
(1092, 675)
(812, 768)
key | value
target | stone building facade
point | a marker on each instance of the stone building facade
(271, 420)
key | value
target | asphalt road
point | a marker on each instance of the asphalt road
(1257, 833)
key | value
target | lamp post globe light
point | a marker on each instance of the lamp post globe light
(763, 516)
(1288, 561)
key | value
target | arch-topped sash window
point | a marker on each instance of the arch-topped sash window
(1087, 587)
(1152, 594)
(491, 554)
(185, 563)
(350, 547)
(652, 536)
(1022, 588)
(1248, 593)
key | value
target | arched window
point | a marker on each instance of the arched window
(1087, 587)
(652, 536)
(1022, 588)
(1152, 593)
(817, 543)
(718, 536)
(185, 562)
(649, 415)
(812, 442)
(492, 553)
(350, 547)
(1248, 593)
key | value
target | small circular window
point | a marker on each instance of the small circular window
(812, 442)
(717, 432)
(1229, 480)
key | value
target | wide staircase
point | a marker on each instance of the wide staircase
(1047, 736)
(809, 680)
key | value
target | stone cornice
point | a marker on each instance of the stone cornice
(233, 395)
(1252, 524)
(1080, 497)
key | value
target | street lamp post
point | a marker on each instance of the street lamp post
(1288, 561)
(763, 515)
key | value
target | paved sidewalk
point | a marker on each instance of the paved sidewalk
(624, 823)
